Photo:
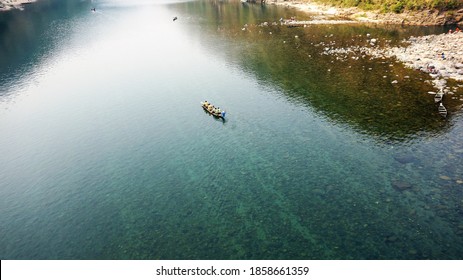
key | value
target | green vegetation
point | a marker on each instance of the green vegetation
(397, 6)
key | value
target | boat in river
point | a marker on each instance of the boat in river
(214, 111)
(438, 96)
(442, 110)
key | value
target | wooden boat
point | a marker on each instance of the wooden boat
(212, 111)
(442, 110)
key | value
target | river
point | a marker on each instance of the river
(106, 153)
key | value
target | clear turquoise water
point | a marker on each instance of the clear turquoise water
(107, 154)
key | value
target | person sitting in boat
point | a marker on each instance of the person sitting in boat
(206, 104)
(217, 111)
(210, 108)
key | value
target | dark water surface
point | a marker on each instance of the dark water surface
(105, 152)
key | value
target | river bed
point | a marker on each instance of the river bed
(106, 152)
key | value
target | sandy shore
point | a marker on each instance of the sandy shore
(319, 10)
(426, 17)
(6, 5)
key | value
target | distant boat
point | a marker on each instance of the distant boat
(442, 110)
(174, 19)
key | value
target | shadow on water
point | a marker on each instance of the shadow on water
(377, 97)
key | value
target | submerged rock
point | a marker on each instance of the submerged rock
(405, 158)
(401, 185)
(391, 239)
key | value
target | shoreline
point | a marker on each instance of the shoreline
(6, 5)
(424, 18)
(440, 55)
(421, 53)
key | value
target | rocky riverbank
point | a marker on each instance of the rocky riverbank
(6, 5)
(441, 56)
(425, 17)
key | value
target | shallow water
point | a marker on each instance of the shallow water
(107, 154)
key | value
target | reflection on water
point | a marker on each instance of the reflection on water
(107, 153)
(360, 91)
(28, 37)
